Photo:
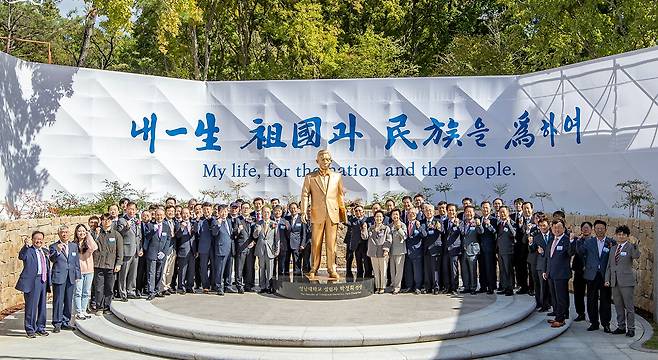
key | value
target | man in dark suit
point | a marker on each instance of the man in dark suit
(65, 257)
(595, 252)
(241, 241)
(558, 270)
(524, 225)
(538, 248)
(223, 248)
(413, 265)
(257, 214)
(578, 267)
(487, 263)
(297, 238)
(353, 240)
(34, 282)
(505, 240)
(431, 231)
(282, 235)
(186, 248)
(207, 230)
(249, 272)
(453, 243)
(156, 242)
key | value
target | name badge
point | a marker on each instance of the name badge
(73, 253)
(623, 253)
(605, 249)
(505, 229)
(558, 248)
(431, 232)
(455, 228)
(471, 228)
(282, 226)
(111, 240)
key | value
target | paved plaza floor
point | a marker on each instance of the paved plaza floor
(575, 343)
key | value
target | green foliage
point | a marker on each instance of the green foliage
(65, 203)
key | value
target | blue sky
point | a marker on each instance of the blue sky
(66, 5)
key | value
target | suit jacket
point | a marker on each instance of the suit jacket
(186, 239)
(470, 235)
(110, 249)
(155, 243)
(65, 267)
(31, 267)
(326, 202)
(589, 251)
(223, 243)
(207, 230)
(505, 237)
(297, 233)
(398, 237)
(431, 232)
(414, 242)
(241, 237)
(266, 246)
(452, 238)
(131, 234)
(489, 235)
(171, 235)
(537, 243)
(558, 266)
(622, 273)
(378, 241)
(282, 234)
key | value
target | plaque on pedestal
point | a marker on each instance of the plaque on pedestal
(323, 288)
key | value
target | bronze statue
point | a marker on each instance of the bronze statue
(324, 189)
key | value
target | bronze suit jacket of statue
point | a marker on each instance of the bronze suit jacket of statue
(324, 202)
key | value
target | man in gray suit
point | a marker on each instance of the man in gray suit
(267, 249)
(129, 228)
(594, 252)
(471, 229)
(620, 276)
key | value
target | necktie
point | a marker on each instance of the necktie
(44, 270)
(554, 245)
(409, 229)
(259, 217)
(545, 239)
(617, 254)
(160, 230)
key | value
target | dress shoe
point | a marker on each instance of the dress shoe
(230, 290)
(132, 297)
(181, 292)
(542, 309)
(160, 295)
(42, 333)
(474, 293)
(262, 291)
(31, 335)
(557, 324)
(464, 291)
(522, 291)
(423, 291)
(482, 290)
(107, 311)
(150, 297)
(123, 299)
(500, 292)
(490, 292)
(56, 329)
(606, 329)
(395, 292)
(68, 327)
(579, 318)
(240, 291)
(630, 333)
(593, 327)
(619, 331)
(435, 292)
(509, 293)
(205, 291)
(99, 313)
(552, 313)
(220, 293)
(531, 293)
(417, 292)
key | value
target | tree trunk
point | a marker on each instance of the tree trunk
(195, 52)
(90, 22)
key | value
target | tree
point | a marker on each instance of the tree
(541, 196)
(116, 19)
(635, 194)
(213, 194)
(444, 188)
(500, 189)
(237, 186)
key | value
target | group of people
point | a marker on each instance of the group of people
(207, 248)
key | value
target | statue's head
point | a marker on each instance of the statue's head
(323, 159)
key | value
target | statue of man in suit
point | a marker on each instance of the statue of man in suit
(324, 189)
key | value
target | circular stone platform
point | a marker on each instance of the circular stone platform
(382, 309)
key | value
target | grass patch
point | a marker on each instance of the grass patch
(653, 342)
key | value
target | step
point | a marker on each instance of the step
(533, 330)
(503, 312)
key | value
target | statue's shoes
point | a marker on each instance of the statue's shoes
(311, 275)
(334, 276)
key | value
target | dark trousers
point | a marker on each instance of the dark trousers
(204, 259)
(220, 265)
(35, 307)
(305, 259)
(240, 261)
(405, 274)
(469, 272)
(174, 275)
(450, 270)
(414, 271)
(536, 284)
(505, 269)
(186, 266)
(436, 263)
(282, 262)
(62, 303)
(521, 266)
(488, 270)
(250, 270)
(579, 289)
(561, 307)
(543, 295)
(154, 270)
(599, 299)
(296, 257)
(140, 282)
(428, 273)
(349, 258)
(228, 271)
(104, 288)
